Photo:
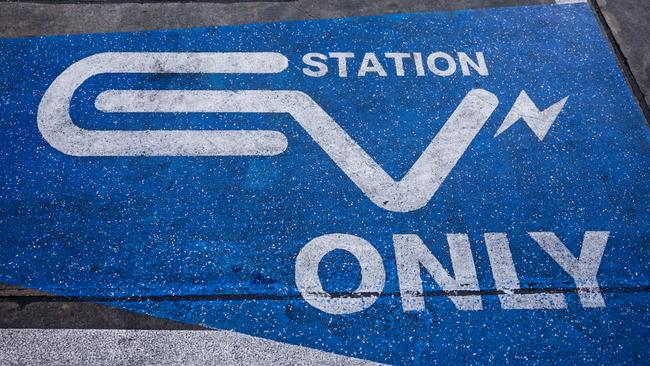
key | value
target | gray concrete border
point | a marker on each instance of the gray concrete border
(22, 18)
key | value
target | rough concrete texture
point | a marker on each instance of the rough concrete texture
(26, 308)
(154, 347)
(629, 21)
(22, 19)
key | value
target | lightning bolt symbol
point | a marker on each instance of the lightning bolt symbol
(538, 121)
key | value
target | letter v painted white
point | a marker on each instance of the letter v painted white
(413, 191)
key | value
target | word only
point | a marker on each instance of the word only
(462, 287)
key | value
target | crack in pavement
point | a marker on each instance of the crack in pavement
(25, 300)
(622, 59)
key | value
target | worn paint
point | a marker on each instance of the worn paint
(552, 207)
(155, 347)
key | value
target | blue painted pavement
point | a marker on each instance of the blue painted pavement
(214, 240)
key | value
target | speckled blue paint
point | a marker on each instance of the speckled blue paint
(104, 227)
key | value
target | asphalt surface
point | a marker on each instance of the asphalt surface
(156, 347)
(627, 20)
(25, 308)
(624, 21)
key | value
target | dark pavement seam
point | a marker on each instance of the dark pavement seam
(622, 60)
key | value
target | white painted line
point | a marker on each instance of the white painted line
(570, 1)
(413, 191)
(57, 127)
(154, 347)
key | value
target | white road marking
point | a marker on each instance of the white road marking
(60, 131)
(584, 269)
(461, 286)
(570, 1)
(154, 347)
(413, 191)
(506, 279)
(408, 194)
(538, 121)
(373, 274)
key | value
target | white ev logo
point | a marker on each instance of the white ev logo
(413, 191)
